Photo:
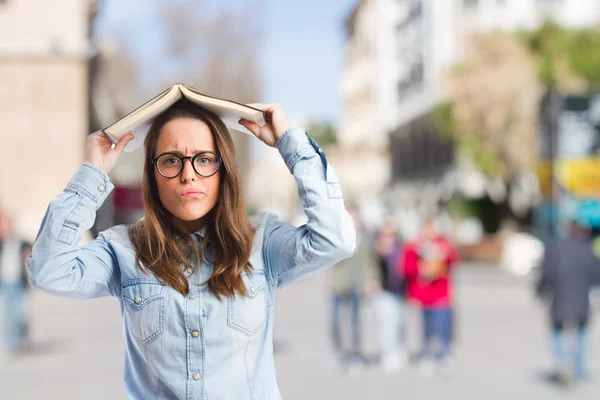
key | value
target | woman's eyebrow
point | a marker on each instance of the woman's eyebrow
(179, 153)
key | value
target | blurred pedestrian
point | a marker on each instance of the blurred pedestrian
(427, 264)
(346, 282)
(568, 272)
(387, 294)
(13, 285)
(196, 277)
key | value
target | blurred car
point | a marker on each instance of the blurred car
(521, 253)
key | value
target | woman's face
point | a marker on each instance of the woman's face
(188, 196)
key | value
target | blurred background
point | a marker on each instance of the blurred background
(483, 115)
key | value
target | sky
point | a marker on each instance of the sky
(301, 55)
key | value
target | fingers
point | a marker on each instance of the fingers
(95, 136)
(123, 142)
(251, 126)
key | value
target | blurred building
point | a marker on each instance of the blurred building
(44, 54)
(363, 155)
(397, 54)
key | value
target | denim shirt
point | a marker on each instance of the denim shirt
(195, 346)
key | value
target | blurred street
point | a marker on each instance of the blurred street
(502, 349)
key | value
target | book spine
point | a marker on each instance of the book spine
(108, 137)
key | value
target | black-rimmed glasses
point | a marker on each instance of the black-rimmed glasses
(170, 165)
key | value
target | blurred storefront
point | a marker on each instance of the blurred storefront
(569, 170)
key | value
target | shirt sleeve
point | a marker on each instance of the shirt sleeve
(291, 253)
(58, 264)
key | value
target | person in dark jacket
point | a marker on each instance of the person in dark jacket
(567, 274)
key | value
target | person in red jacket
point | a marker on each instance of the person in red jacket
(427, 265)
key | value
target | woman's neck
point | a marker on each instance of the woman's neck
(188, 227)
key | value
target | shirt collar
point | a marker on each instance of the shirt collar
(200, 233)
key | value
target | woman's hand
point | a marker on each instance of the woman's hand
(100, 152)
(277, 124)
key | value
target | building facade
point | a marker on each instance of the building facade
(412, 44)
(44, 54)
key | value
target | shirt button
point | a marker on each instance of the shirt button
(138, 300)
(195, 333)
(189, 270)
(196, 376)
(192, 297)
(101, 188)
(253, 289)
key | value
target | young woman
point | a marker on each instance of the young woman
(196, 278)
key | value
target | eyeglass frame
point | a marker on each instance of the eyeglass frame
(192, 159)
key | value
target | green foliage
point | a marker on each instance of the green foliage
(467, 145)
(471, 147)
(443, 120)
(584, 55)
(323, 133)
(562, 55)
(580, 48)
(483, 209)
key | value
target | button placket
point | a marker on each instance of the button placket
(193, 331)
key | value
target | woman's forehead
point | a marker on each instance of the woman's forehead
(185, 135)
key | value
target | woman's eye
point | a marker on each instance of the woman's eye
(171, 161)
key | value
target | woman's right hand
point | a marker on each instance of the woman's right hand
(100, 152)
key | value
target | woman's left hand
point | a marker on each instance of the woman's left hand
(277, 124)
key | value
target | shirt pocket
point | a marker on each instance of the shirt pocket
(143, 309)
(247, 314)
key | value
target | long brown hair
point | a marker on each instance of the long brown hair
(165, 251)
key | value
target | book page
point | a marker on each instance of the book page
(143, 114)
(229, 111)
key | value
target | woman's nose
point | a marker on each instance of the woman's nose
(188, 173)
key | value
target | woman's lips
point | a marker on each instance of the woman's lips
(192, 194)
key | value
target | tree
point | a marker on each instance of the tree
(493, 105)
(567, 59)
(323, 133)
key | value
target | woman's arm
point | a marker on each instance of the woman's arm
(545, 282)
(408, 263)
(57, 263)
(292, 253)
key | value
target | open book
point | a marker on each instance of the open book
(140, 120)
